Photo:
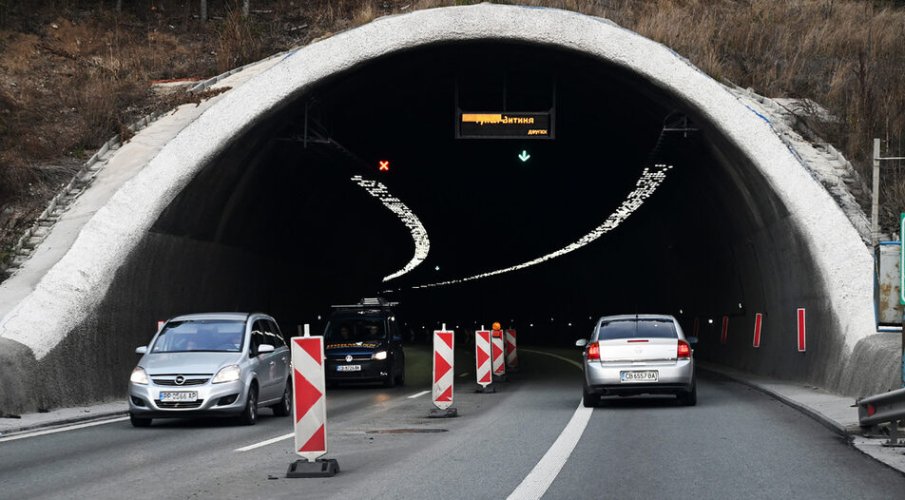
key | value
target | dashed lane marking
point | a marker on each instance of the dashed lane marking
(418, 394)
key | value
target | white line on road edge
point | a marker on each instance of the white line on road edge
(61, 429)
(418, 394)
(542, 475)
(265, 443)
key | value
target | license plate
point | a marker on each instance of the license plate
(348, 368)
(178, 397)
(640, 376)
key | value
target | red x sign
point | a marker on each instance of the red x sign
(384, 165)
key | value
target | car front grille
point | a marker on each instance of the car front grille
(354, 358)
(179, 405)
(172, 382)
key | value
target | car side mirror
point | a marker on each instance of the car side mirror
(581, 343)
(692, 340)
(265, 348)
(141, 350)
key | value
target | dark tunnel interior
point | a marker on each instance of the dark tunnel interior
(282, 198)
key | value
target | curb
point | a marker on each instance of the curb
(814, 414)
(88, 417)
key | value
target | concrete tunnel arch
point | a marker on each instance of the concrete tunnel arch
(808, 228)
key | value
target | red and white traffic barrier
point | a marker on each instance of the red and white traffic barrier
(511, 349)
(802, 330)
(724, 333)
(482, 358)
(309, 408)
(497, 353)
(758, 324)
(444, 376)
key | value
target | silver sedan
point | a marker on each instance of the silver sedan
(638, 354)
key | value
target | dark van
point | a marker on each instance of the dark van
(362, 343)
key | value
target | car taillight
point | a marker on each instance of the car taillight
(683, 350)
(593, 351)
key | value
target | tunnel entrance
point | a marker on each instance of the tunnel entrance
(282, 194)
(236, 213)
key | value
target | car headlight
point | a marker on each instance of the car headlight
(379, 355)
(139, 376)
(227, 374)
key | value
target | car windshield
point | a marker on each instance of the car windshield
(200, 335)
(637, 328)
(345, 330)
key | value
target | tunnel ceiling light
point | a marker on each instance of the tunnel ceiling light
(411, 221)
(651, 179)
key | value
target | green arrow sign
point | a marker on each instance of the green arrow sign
(524, 156)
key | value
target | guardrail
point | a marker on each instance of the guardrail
(888, 407)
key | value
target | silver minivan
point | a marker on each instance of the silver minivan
(213, 364)
(638, 354)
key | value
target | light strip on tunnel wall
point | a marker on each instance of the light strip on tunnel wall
(651, 178)
(411, 221)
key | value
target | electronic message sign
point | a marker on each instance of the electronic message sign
(514, 125)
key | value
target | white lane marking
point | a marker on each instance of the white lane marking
(463, 375)
(265, 443)
(61, 429)
(544, 473)
(418, 394)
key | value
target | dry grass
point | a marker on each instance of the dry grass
(66, 89)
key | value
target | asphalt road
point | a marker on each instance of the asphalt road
(737, 443)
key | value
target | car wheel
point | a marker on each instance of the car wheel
(589, 399)
(250, 413)
(139, 422)
(401, 379)
(284, 407)
(390, 379)
(689, 398)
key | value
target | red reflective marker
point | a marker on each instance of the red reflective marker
(758, 322)
(724, 334)
(801, 330)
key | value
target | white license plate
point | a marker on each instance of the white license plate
(178, 397)
(640, 376)
(348, 368)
